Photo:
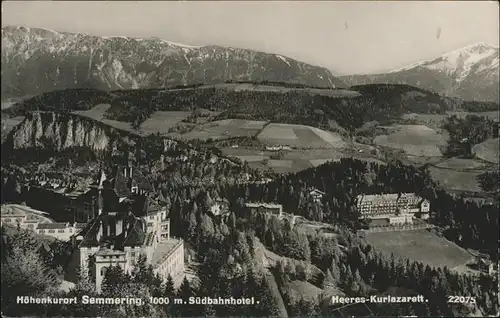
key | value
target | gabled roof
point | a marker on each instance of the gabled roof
(135, 234)
(120, 184)
(316, 191)
(132, 236)
(265, 205)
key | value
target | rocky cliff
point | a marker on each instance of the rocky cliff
(57, 131)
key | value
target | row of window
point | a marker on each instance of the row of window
(10, 220)
(53, 231)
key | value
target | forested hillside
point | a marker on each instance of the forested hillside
(383, 103)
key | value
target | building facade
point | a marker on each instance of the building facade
(397, 208)
(60, 230)
(127, 223)
(271, 208)
(15, 215)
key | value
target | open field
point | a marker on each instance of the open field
(299, 136)
(294, 160)
(456, 180)
(299, 289)
(280, 163)
(460, 164)
(415, 140)
(96, 112)
(222, 129)
(420, 161)
(419, 245)
(162, 121)
(120, 125)
(487, 150)
(319, 162)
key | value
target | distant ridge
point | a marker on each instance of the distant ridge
(36, 60)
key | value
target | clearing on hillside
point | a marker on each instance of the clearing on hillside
(460, 164)
(162, 121)
(456, 180)
(487, 150)
(226, 128)
(415, 140)
(299, 289)
(300, 136)
(97, 112)
(419, 245)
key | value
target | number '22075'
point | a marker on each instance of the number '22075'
(461, 299)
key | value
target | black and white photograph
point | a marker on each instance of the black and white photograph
(250, 159)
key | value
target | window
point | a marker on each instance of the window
(132, 254)
(8, 220)
(60, 231)
(152, 217)
(41, 231)
(30, 225)
(52, 231)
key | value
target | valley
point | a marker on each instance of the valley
(264, 144)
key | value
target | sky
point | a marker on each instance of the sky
(347, 37)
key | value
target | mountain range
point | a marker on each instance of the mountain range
(470, 73)
(36, 60)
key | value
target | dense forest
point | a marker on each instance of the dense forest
(469, 224)
(489, 181)
(227, 251)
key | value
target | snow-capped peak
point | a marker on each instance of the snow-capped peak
(460, 62)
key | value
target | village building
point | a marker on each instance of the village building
(485, 265)
(396, 208)
(24, 217)
(62, 231)
(126, 223)
(316, 195)
(219, 208)
(66, 204)
(271, 208)
(278, 148)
